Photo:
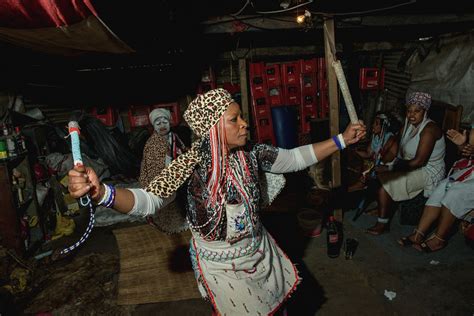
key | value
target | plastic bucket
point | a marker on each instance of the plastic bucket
(285, 126)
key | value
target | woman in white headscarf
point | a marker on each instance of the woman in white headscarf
(161, 148)
(419, 165)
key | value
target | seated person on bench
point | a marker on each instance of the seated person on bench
(419, 165)
(452, 199)
(383, 146)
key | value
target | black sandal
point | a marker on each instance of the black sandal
(406, 241)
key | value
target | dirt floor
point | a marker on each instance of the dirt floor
(441, 283)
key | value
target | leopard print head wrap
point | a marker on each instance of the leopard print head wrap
(202, 114)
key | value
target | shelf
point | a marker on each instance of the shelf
(12, 212)
(319, 119)
(12, 162)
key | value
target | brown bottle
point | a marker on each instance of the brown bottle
(333, 242)
(20, 139)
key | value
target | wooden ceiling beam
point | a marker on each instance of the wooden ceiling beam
(269, 23)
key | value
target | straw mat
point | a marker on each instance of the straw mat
(154, 266)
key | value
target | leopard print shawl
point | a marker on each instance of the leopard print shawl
(154, 154)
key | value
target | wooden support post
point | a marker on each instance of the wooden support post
(329, 40)
(244, 103)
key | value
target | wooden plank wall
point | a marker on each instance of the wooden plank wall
(396, 81)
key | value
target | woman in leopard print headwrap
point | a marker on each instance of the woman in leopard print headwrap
(239, 267)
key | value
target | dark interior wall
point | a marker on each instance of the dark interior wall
(172, 51)
(172, 47)
(168, 60)
(397, 79)
(148, 90)
(113, 84)
(119, 80)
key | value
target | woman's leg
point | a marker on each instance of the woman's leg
(445, 223)
(385, 203)
(430, 215)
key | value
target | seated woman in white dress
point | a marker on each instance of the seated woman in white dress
(419, 165)
(452, 199)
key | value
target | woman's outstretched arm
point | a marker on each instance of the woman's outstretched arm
(291, 160)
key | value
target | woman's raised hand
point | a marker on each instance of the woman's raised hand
(354, 133)
(456, 137)
(80, 183)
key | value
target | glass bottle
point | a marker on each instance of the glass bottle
(333, 238)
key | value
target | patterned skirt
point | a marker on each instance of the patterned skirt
(250, 277)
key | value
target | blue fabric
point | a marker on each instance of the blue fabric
(378, 143)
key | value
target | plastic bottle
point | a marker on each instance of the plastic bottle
(21, 144)
(11, 145)
(333, 236)
(5, 129)
(25, 230)
(3, 149)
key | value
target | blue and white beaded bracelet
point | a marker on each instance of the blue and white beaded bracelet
(109, 196)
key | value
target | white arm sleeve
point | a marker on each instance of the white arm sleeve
(291, 160)
(147, 203)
